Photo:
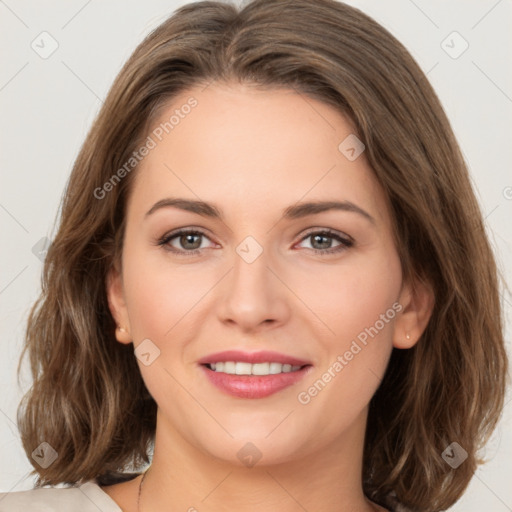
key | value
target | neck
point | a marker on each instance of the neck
(328, 479)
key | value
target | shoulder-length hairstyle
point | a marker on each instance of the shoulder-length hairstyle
(88, 399)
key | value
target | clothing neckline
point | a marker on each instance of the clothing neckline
(105, 495)
(119, 509)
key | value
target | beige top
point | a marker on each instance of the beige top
(88, 497)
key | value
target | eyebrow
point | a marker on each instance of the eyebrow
(292, 212)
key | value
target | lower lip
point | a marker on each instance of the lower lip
(254, 386)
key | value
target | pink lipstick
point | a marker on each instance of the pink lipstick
(253, 374)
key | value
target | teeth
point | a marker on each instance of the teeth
(275, 368)
(239, 368)
(260, 369)
(229, 367)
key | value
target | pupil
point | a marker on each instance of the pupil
(326, 245)
(186, 238)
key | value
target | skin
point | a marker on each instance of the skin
(253, 153)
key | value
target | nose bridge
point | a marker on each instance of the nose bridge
(252, 294)
(250, 272)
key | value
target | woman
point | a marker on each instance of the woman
(271, 281)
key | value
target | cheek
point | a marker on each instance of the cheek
(159, 294)
(358, 308)
(352, 296)
(355, 303)
(163, 302)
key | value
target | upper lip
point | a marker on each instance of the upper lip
(253, 357)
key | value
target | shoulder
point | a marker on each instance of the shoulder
(88, 497)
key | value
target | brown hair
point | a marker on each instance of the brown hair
(88, 400)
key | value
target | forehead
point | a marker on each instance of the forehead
(250, 148)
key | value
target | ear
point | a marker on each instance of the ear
(417, 301)
(117, 304)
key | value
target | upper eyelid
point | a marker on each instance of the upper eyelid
(328, 231)
(196, 230)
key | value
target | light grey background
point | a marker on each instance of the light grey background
(49, 103)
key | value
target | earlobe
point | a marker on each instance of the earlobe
(117, 305)
(417, 300)
(122, 335)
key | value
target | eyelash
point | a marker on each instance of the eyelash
(345, 243)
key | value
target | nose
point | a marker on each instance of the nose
(252, 296)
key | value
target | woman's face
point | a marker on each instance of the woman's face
(320, 288)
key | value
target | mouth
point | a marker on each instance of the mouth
(253, 375)
(241, 368)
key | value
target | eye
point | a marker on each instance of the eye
(322, 241)
(190, 241)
